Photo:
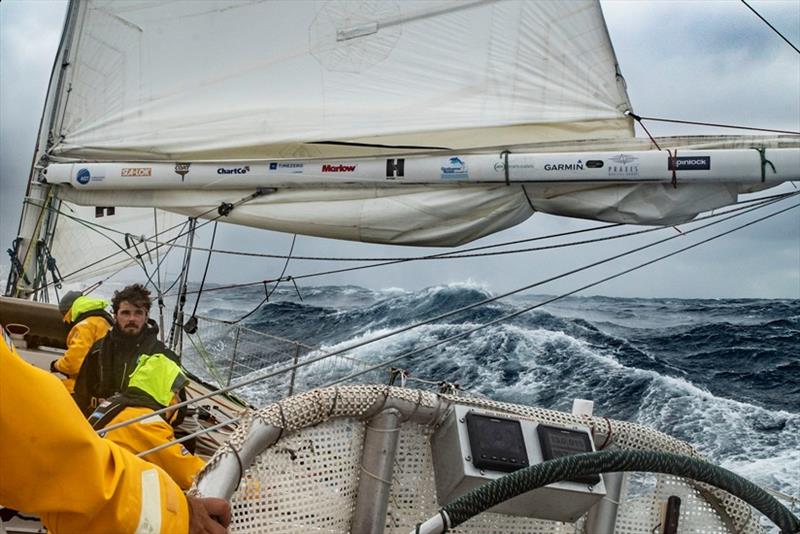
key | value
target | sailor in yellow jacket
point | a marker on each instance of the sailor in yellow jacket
(153, 384)
(89, 322)
(54, 465)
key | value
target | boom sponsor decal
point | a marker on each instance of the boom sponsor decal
(136, 171)
(395, 168)
(338, 168)
(286, 167)
(689, 163)
(83, 176)
(594, 164)
(500, 166)
(577, 166)
(623, 166)
(454, 167)
(234, 170)
(182, 169)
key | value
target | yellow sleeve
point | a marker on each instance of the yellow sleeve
(54, 465)
(80, 339)
(179, 463)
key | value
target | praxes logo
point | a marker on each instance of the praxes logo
(136, 171)
(623, 166)
(234, 170)
(395, 168)
(182, 169)
(689, 163)
(338, 168)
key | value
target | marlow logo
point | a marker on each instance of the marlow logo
(338, 168)
(137, 171)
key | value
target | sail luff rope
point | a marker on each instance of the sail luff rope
(489, 300)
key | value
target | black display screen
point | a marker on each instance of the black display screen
(557, 442)
(496, 443)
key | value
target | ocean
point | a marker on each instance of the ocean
(723, 375)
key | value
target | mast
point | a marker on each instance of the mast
(37, 221)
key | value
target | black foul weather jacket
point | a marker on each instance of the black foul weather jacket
(111, 360)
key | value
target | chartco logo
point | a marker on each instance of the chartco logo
(689, 163)
(234, 170)
(338, 168)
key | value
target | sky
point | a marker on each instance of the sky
(695, 60)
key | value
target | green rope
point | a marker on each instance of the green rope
(209, 363)
(762, 152)
(567, 467)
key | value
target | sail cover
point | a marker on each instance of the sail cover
(237, 79)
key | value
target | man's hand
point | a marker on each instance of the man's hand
(208, 515)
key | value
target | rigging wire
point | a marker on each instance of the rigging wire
(743, 205)
(220, 214)
(379, 337)
(771, 26)
(640, 118)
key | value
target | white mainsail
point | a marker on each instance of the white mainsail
(221, 80)
(228, 82)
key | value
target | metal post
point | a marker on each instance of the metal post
(375, 480)
(233, 356)
(603, 515)
(294, 367)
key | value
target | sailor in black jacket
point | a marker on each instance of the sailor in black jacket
(111, 360)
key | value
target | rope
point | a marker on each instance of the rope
(771, 27)
(452, 255)
(504, 318)
(762, 153)
(716, 125)
(567, 467)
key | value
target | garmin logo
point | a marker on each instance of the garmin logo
(235, 170)
(689, 163)
(564, 166)
(338, 168)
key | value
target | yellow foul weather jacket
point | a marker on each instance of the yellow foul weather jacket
(81, 337)
(54, 465)
(181, 465)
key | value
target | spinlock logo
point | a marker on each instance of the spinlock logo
(83, 176)
(235, 170)
(577, 166)
(454, 167)
(338, 168)
(137, 171)
(689, 163)
(182, 169)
